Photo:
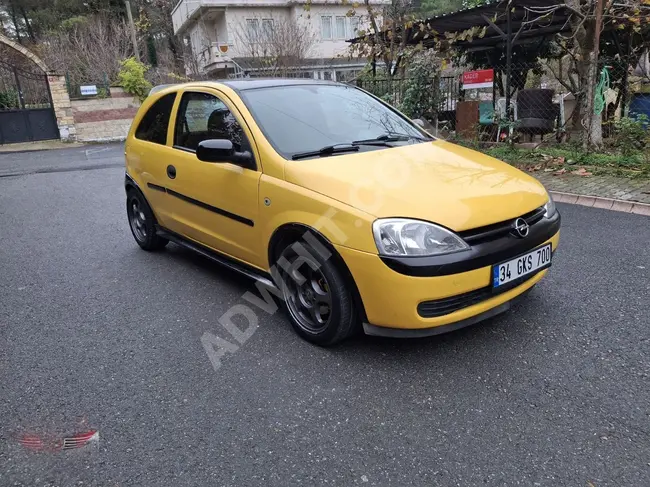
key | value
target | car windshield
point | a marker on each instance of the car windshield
(302, 118)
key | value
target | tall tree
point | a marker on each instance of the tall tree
(157, 16)
(430, 8)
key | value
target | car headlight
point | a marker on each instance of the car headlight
(549, 208)
(404, 237)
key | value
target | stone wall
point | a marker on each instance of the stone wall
(104, 119)
(62, 107)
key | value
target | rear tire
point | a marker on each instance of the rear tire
(317, 297)
(142, 222)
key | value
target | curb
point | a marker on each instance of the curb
(604, 203)
(104, 140)
(24, 147)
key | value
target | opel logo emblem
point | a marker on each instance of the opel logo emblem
(520, 228)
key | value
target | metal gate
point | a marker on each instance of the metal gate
(26, 110)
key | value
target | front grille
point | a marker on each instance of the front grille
(442, 307)
(497, 230)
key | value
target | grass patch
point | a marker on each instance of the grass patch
(571, 158)
(635, 165)
(568, 155)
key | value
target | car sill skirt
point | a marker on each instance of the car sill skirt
(382, 331)
(215, 257)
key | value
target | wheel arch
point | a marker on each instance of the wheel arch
(289, 233)
(131, 185)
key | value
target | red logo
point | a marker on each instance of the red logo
(36, 443)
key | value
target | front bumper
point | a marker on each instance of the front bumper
(383, 331)
(391, 298)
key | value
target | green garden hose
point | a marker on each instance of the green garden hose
(603, 85)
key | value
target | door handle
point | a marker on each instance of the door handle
(171, 172)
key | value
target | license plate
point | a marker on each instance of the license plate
(523, 265)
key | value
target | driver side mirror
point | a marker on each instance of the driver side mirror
(221, 151)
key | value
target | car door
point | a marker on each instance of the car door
(215, 204)
(148, 155)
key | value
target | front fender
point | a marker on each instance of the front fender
(286, 203)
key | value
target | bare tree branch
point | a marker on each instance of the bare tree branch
(275, 46)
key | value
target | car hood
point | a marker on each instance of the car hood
(435, 181)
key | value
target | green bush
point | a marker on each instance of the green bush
(630, 135)
(8, 100)
(390, 99)
(131, 78)
(419, 95)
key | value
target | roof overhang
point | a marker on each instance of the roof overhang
(531, 19)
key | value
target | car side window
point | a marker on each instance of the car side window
(202, 116)
(153, 126)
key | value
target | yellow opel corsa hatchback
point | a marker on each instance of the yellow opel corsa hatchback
(336, 203)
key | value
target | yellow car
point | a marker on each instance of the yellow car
(338, 204)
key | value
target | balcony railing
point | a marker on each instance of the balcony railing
(216, 55)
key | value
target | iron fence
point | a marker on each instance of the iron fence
(548, 98)
(542, 98)
(88, 88)
(21, 89)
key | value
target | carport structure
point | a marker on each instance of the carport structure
(504, 25)
(512, 36)
(497, 27)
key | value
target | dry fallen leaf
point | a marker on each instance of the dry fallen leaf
(558, 173)
(535, 168)
(581, 172)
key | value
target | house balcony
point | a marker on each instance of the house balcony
(215, 57)
(187, 11)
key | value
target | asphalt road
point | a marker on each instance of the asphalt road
(95, 333)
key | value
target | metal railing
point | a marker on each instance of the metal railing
(78, 89)
(544, 98)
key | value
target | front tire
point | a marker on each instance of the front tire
(142, 222)
(317, 297)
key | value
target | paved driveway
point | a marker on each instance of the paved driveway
(95, 333)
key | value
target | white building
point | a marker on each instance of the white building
(233, 37)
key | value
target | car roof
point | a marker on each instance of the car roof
(158, 88)
(253, 83)
(245, 84)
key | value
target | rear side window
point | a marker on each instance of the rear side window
(154, 124)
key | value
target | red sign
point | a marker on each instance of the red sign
(483, 78)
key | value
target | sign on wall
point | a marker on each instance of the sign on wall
(483, 78)
(89, 90)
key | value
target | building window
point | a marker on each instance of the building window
(340, 27)
(327, 75)
(326, 27)
(354, 26)
(253, 26)
(267, 28)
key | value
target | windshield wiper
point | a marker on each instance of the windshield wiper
(389, 137)
(326, 151)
